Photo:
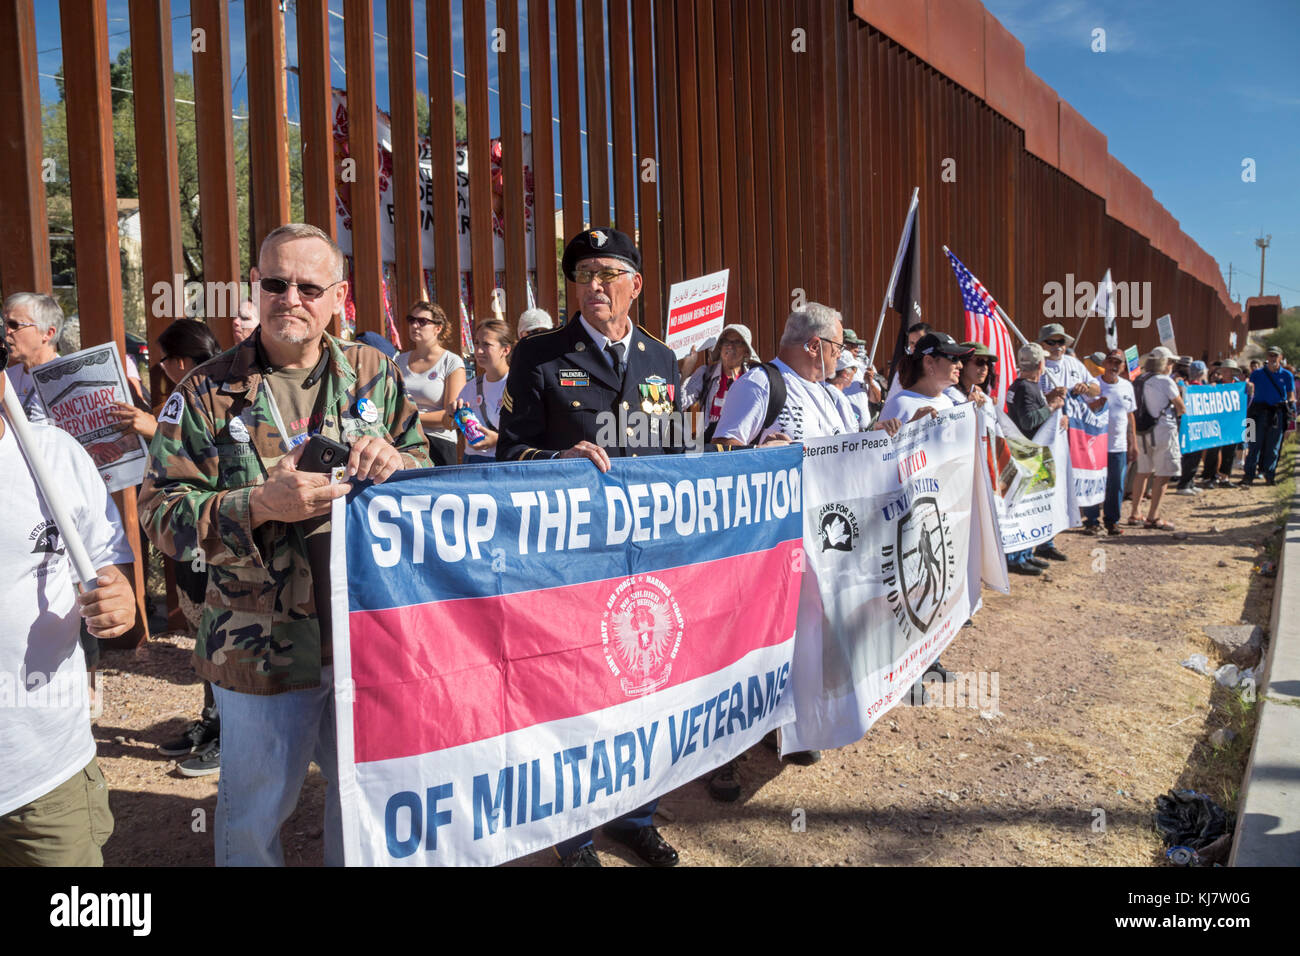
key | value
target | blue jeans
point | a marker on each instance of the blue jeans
(1020, 557)
(267, 743)
(1270, 429)
(1116, 463)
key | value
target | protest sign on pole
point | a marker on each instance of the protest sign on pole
(1133, 360)
(1032, 485)
(1165, 329)
(696, 313)
(1216, 415)
(79, 392)
(527, 651)
(888, 534)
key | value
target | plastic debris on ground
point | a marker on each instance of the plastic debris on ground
(1199, 663)
(1192, 821)
(1230, 676)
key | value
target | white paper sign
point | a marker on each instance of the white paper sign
(696, 313)
(1165, 327)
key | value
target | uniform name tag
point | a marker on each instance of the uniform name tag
(574, 377)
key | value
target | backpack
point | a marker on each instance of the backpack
(776, 396)
(1143, 419)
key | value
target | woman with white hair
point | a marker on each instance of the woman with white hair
(731, 357)
(32, 325)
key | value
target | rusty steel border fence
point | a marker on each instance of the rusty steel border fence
(780, 139)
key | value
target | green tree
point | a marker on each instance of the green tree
(1286, 336)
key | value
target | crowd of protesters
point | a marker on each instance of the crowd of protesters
(265, 663)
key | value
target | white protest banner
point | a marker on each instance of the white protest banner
(79, 392)
(525, 651)
(893, 569)
(1032, 486)
(1165, 329)
(696, 312)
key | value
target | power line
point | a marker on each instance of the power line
(1276, 285)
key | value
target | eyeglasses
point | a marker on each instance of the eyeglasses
(837, 346)
(606, 276)
(308, 290)
(421, 320)
(732, 343)
(982, 362)
(13, 325)
(1055, 342)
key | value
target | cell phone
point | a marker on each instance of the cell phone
(322, 455)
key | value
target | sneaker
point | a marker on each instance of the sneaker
(208, 761)
(1050, 551)
(197, 736)
(1188, 492)
(724, 785)
(1019, 567)
(804, 758)
(1037, 562)
(1092, 529)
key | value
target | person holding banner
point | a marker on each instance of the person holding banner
(33, 323)
(1190, 460)
(224, 487)
(1121, 443)
(1159, 454)
(933, 366)
(561, 384)
(53, 798)
(1217, 471)
(1028, 408)
(1273, 392)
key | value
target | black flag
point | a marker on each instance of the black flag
(905, 293)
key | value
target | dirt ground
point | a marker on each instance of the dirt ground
(1096, 719)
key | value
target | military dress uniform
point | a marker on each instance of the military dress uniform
(560, 382)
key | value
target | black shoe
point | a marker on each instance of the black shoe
(938, 671)
(1035, 561)
(1245, 482)
(1018, 567)
(586, 856)
(1051, 551)
(647, 844)
(1092, 529)
(724, 785)
(918, 696)
(804, 758)
(208, 761)
(1270, 482)
(197, 736)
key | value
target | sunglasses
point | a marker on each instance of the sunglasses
(421, 320)
(981, 362)
(606, 276)
(308, 290)
(1056, 342)
(13, 325)
(732, 343)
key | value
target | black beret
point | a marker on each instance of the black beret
(599, 243)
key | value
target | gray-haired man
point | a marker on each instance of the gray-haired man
(32, 326)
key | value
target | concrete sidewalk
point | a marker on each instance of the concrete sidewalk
(1268, 814)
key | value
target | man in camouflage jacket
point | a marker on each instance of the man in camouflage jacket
(223, 488)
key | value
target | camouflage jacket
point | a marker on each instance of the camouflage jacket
(258, 632)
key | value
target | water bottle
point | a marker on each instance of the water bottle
(469, 425)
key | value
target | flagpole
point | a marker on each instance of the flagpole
(1011, 325)
(893, 278)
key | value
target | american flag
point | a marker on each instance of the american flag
(984, 326)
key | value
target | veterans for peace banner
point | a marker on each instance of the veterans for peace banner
(525, 651)
(1087, 452)
(1031, 483)
(79, 392)
(897, 533)
(1216, 415)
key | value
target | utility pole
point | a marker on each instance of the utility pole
(1229, 281)
(1262, 242)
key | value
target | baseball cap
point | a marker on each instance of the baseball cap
(1198, 366)
(599, 243)
(531, 320)
(1275, 351)
(939, 343)
(1162, 353)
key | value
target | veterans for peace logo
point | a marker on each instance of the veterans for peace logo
(927, 564)
(640, 633)
(837, 527)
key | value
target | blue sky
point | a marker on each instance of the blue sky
(1186, 90)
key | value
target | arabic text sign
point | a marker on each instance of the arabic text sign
(696, 312)
(526, 651)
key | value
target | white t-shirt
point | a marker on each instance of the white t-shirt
(24, 386)
(426, 388)
(812, 409)
(44, 712)
(1157, 392)
(1120, 401)
(1067, 371)
(860, 399)
(905, 403)
(488, 409)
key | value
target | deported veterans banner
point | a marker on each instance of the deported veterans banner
(1087, 452)
(80, 392)
(525, 651)
(1216, 415)
(893, 569)
(1031, 483)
